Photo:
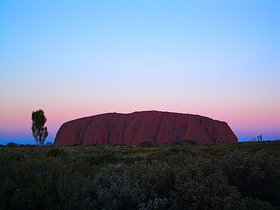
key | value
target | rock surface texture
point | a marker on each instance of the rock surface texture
(155, 126)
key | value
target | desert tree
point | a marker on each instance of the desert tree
(39, 131)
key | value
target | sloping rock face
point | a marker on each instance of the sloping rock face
(158, 127)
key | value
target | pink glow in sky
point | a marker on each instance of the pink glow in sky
(75, 59)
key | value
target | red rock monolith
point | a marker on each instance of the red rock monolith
(133, 128)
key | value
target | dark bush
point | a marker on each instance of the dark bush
(129, 160)
(119, 145)
(49, 144)
(146, 144)
(175, 149)
(134, 187)
(156, 156)
(11, 155)
(55, 152)
(255, 175)
(189, 142)
(177, 143)
(12, 144)
(105, 177)
(201, 185)
(179, 159)
(99, 159)
(219, 150)
(250, 203)
(163, 145)
(101, 146)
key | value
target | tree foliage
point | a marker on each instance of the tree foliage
(39, 131)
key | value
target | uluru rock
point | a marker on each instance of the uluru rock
(155, 126)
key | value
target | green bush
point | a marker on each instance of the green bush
(132, 189)
(177, 143)
(255, 175)
(189, 142)
(49, 144)
(129, 160)
(55, 152)
(250, 203)
(12, 144)
(100, 159)
(218, 176)
(146, 144)
(202, 185)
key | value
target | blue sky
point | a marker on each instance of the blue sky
(72, 59)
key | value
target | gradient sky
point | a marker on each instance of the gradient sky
(72, 59)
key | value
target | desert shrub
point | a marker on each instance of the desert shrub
(49, 144)
(158, 155)
(12, 144)
(4, 163)
(272, 148)
(146, 144)
(12, 155)
(251, 147)
(175, 149)
(107, 158)
(130, 150)
(157, 203)
(189, 142)
(179, 143)
(187, 150)
(7, 188)
(250, 203)
(44, 183)
(129, 160)
(119, 145)
(131, 188)
(107, 177)
(99, 159)
(32, 184)
(201, 185)
(84, 168)
(205, 148)
(165, 145)
(16, 155)
(55, 152)
(74, 190)
(255, 175)
(167, 153)
(101, 146)
(219, 150)
(179, 159)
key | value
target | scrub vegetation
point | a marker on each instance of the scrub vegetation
(184, 175)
